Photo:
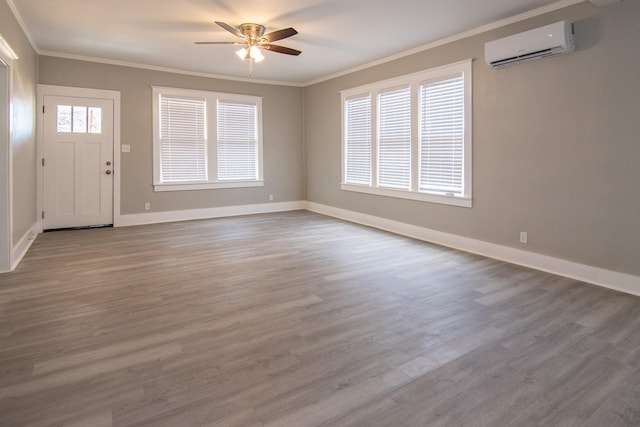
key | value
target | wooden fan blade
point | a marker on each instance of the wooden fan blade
(280, 34)
(281, 49)
(218, 43)
(231, 29)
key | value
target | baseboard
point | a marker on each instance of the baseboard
(606, 278)
(207, 213)
(23, 245)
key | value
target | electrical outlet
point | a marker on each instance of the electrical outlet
(271, 197)
(523, 237)
(147, 206)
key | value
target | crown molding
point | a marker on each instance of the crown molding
(601, 3)
(465, 34)
(165, 69)
(475, 31)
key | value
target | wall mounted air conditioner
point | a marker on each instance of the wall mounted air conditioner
(553, 39)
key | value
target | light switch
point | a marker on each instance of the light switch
(126, 148)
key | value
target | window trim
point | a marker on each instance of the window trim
(413, 80)
(212, 99)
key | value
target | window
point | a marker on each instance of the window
(79, 119)
(442, 136)
(394, 138)
(183, 141)
(237, 141)
(410, 137)
(205, 140)
(358, 140)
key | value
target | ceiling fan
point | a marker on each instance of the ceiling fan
(255, 39)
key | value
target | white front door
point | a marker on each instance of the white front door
(78, 162)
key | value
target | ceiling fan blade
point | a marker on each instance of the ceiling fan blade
(280, 34)
(281, 49)
(231, 29)
(218, 43)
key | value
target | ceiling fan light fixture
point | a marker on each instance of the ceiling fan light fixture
(243, 53)
(256, 54)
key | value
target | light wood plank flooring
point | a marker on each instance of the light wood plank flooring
(296, 319)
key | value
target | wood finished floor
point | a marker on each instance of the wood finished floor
(296, 319)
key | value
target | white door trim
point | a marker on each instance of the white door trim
(6, 201)
(50, 90)
(7, 56)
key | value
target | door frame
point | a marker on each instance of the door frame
(76, 92)
(7, 56)
(6, 173)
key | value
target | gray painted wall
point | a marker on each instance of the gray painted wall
(282, 133)
(23, 138)
(556, 143)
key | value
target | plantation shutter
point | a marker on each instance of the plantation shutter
(183, 155)
(358, 140)
(237, 141)
(394, 139)
(442, 136)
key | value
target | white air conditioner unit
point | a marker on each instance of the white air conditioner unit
(553, 39)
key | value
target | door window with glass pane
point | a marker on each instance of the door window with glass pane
(78, 119)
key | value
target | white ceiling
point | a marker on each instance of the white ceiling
(334, 35)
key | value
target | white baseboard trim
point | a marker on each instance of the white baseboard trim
(606, 278)
(206, 213)
(23, 245)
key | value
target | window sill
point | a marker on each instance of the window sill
(206, 185)
(410, 195)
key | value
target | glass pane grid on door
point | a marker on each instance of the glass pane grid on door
(78, 119)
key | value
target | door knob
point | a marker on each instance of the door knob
(108, 172)
(108, 163)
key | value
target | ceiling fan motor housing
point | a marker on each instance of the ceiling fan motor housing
(252, 31)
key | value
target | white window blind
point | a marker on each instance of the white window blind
(409, 137)
(442, 136)
(183, 155)
(358, 140)
(206, 140)
(237, 141)
(394, 138)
